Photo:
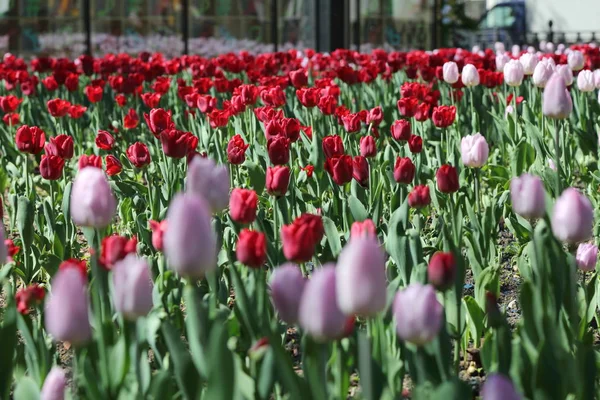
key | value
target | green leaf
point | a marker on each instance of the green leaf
(196, 323)
(333, 236)
(475, 316)
(8, 343)
(66, 201)
(221, 378)
(358, 210)
(257, 176)
(25, 214)
(372, 379)
(27, 389)
(185, 372)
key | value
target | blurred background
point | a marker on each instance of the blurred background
(208, 27)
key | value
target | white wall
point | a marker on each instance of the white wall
(567, 15)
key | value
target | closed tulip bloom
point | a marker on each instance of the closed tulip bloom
(139, 155)
(278, 149)
(501, 60)
(556, 101)
(158, 231)
(54, 385)
(447, 179)
(242, 205)
(368, 147)
(513, 73)
(585, 81)
(30, 139)
(441, 271)
(333, 146)
(66, 311)
(301, 237)
(360, 170)
(92, 201)
(113, 165)
(529, 62)
(542, 73)
(587, 256)
(474, 150)
(528, 196)
(51, 167)
(189, 242)
(415, 144)
(566, 73)
(360, 282)
(340, 169)
(210, 181)
(158, 120)
(319, 314)
(404, 170)
(499, 387)
(104, 140)
(572, 217)
(363, 228)
(375, 116)
(401, 130)
(450, 72)
(418, 314)
(176, 143)
(278, 179)
(251, 248)
(236, 150)
(419, 196)
(132, 287)
(470, 75)
(576, 60)
(287, 285)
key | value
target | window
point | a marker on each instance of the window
(499, 17)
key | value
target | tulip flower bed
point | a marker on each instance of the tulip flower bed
(300, 225)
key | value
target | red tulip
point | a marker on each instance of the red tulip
(150, 99)
(447, 179)
(30, 139)
(94, 93)
(298, 78)
(422, 113)
(72, 82)
(113, 165)
(375, 116)
(139, 155)
(121, 100)
(278, 149)
(291, 127)
(407, 106)
(50, 83)
(441, 271)
(218, 118)
(351, 122)
(29, 296)
(419, 197)
(404, 170)
(301, 237)
(58, 107)
(251, 248)
(242, 205)
(308, 97)
(340, 169)
(368, 147)
(327, 105)
(206, 103)
(158, 230)
(236, 150)
(364, 228)
(51, 167)
(333, 146)
(278, 179)
(274, 97)
(415, 144)
(309, 169)
(273, 128)
(11, 119)
(104, 140)
(115, 248)
(443, 116)
(401, 130)
(89, 161)
(76, 111)
(178, 144)
(158, 120)
(61, 145)
(360, 170)
(9, 104)
(131, 119)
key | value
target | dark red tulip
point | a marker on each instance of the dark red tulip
(401, 130)
(443, 116)
(251, 248)
(178, 144)
(9, 104)
(76, 111)
(94, 93)
(340, 168)
(51, 167)
(158, 120)
(298, 78)
(422, 113)
(447, 179)
(415, 144)
(121, 100)
(243, 204)
(419, 197)
(89, 161)
(351, 122)
(278, 149)
(291, 127)
(104, 140)
(236, 150)
(333, 146)
(139, 155)
(407, 106)
(301, 237)
(360, 170)
(58, 107)
(375, 116)
(404, 170)
(308, 97)
(151, 99)
(441, 271)
(327, 105)
(61, 145)
(131, 119)
(278, 179)
(72, 82)
(11, 119)
(113, 165)
(30, 139)
(367, 146)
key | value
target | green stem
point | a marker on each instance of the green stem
(557, 156)
(476, 179)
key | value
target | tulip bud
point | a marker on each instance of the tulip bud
(367, 146)
(585, 81)
(360, 170)
(189, 241)
(499, 387)
(474, 150)
(287, 285)
(251, 248)
(242, 205)
(401, 130)
(419, 196)
(441, 271)
(415, 144)
(319, 313)
(278, 149)
(158, 230)
(470, 75)
(529, 62)
(528, 196)
(300, 238)
(132, 287)
(556, 103)
(576, 60)
(278, 179)
(364, 228)
(566, 73)
(513, 73)
(340, 169)
(587, 256)
(375, 116)
(54, 385)
(450, 72)
(51, 167)
(360, 281)
(404, 170)
(104, 140)
(333, 146)
(210, 181)
(236, 150)
(418, 314)
(92, 201)
(572, 217)
(542, 73)
(447, 179)
(66, 312)
(139, 155)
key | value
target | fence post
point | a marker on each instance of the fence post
(87, 26)
(317, 6)
(357, 26)
(434, 25)
(550, 33)
(274, 25)
(185, 33)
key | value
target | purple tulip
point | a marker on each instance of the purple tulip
(132, 285)
(499, 387)
(360, 282)
(572, 217)
(189, 242)
(528, 196)
(418, 314)
(474, 150)
(210, 181)
(450, 72)
(54, 385)
(319, 314)
(556, 101)
(287, 285)
(513, 73)
(587, 256)
(66, 314)
(92, 201)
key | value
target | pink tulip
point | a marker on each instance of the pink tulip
(572, 217)
(92, 201)
(528, 196)
(132, 285)
(287, 285)
(210, 181)
(474, 150)
(54, 385)
(418, 314)
(556, 101)
(470, 75)
(499, 387)
(450, 72)
(513, 73)
(587, 256)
